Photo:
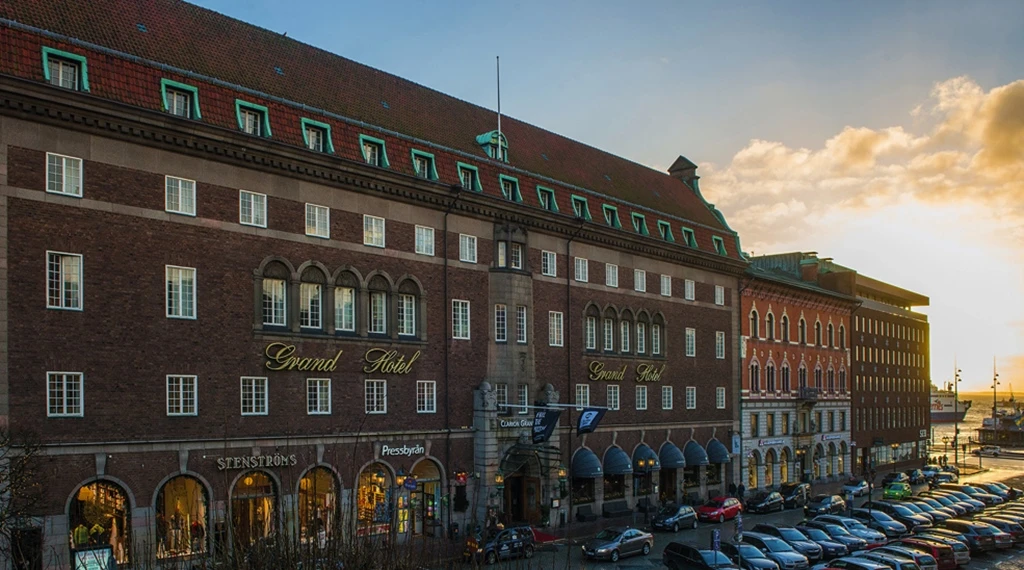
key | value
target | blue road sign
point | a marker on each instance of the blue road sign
(716, 539)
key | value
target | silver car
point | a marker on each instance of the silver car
(614, 543)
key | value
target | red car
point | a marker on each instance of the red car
(719, 509)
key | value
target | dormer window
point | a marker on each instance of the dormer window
(640, 224)
(665, 230)
(510, 188)
(719, 245)
(374, 152)
(611, 216)
(180, 99)
(580, 208)
(252, 118)
(66, 70)
(495, 145)
(469, 177)
(547, 199)
(317, 136)
(423, 165)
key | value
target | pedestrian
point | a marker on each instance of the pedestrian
(740, 492)
(732, 489)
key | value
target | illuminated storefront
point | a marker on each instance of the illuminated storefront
(253, 509)
(100, 514)
(426, 498)
(318, 506)
(373, 500)
(182, 506)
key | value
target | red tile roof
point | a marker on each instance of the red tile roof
(204, 42)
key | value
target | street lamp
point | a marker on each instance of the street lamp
(400, 477)
(499, 480)
(894, 447)
(945, 443)
(563, 474)
(956, 417)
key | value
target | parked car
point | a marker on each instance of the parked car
(916, 510)
(1013, 491)
(795, 494)
(898, 491)
(748, 556)
(719, 509)
(934, 508)
(680, 556)
(893, 562)
(930, 470)
(513, 542)
(856, 487)
(617, 542)
(964, 498)
(916, 476)
(948, 533)
(794, 538)
(914, 522)
(881, 522)
(938, 516)
(838, 534)
(987, 451)
(973, 492)
(853, 526)
(922, 559)
(895, 477)
(961, 552)
(1015, 530)
(852, 563)
(776, 549)
(1005, 494)
(831, 547)
(765, 502)
(825, 505)
(674, 517)
(950, 469)
(980, 537)
(944, 502)
(940, 478)
(942, 553)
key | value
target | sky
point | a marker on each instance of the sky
(886, 135)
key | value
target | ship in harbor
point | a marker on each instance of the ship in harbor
(945, 408)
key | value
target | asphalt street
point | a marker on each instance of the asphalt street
(570, 556)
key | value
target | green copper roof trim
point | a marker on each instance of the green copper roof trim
(263, 112)
(432, 175)
(363, 139)
(492, 139)
(666, 231)
(640, 223)
(462, 166)
(584, 208)
(502, 178)
(80, 60)
(689, 237)
(545, 191)
(328, 143)
(165, 83)
(611, 215)
(719, 245)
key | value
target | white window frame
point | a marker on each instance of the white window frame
(608, 341)
(641, 398)
(523, 397)
(640, 280)
(425, 240)
(590, 333)
(406, 317)
(549, 263)
(556, 330)
(582, 396)
(720, 398)
(501, 396)
(257, 387)
(690, 290)
(656, 339)
(276, 299)
(318, 221)
(58, 180)
(61, 77)
(623, 336)
(667, 398)
(719, 295)
(582, 269)
(377, 320)
(501, 256)
(691, 397)
(179, 102)
(691, 342)
(467, 248)
(252, 121)
(500, 323)
(186, 390)
(179, 195)
(311, 305)
(374, 231)
(666, 285)
(516, 256)
(379, 392)
(641, 337)
(720, 345)
(188, 309)
(315, 386)
(340, 324)
(426, 397)
(61, 283)
(521, 322)
(68, 405)
(460, 319)
(316, 138)
(612, 396)
(257, 214)
(611, 275)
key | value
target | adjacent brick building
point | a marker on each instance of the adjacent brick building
(253, 288)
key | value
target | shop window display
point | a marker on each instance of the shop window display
(100, 515)
(691, 477)
(714, 474)
(181, 517)
(424, 500)
(253, 509)
(582, 490)
(318, 506)
(614, 487)
(373, 500)
(667, 489)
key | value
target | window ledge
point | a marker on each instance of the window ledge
(273, 334)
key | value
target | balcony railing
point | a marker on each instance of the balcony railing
(808, 393)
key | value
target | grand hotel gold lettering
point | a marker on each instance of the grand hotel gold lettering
(282, 356)
(644, 372)
(383, 361)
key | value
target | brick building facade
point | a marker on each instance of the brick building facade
(248, 304)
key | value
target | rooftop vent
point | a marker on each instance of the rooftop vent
(141, 27)
(279, 71)
(608, 178)
(544, 156)
(385, 104)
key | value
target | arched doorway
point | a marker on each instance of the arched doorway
(752, 462)
(426, 516)
(819, 452)
(784, 465)
(182, 507)
(829, 465)
(769, 468)
(253, 509)
(318, 506)
(100, 514)
(843, 450)
(522, 495)
(373, 500)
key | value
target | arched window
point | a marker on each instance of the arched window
(784, 466)
(842, 380)
(817, 333)
(752, 471)
(377, 311)
(831, 336)
(625, 324)
(802, 376)
(311, 299)
(182, 513)
(101, 514)
(755, 377)
(346, 293)
(407, 321)
(842, 337)
(803, 331)
(769, 325)
(831, 379)
(592, 316)
(769, 468)
(817, 377)
(785, 328)
(769, 378)
(786, 386)
(318, 506)
(754, 324)
(658, 335)
(608, 330)
(641, 333)
(253, 509)
(374, 502)
(275, 294)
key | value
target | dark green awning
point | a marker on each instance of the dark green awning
(586, 465)
(671, 457)
(616, 462)
(695, 454)
(717, 453)
(645, 454)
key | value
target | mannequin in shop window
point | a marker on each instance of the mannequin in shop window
(96, 534)
(80, 536)
(198, 534)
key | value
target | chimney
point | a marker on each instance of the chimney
(686, 171)
(809, 267)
